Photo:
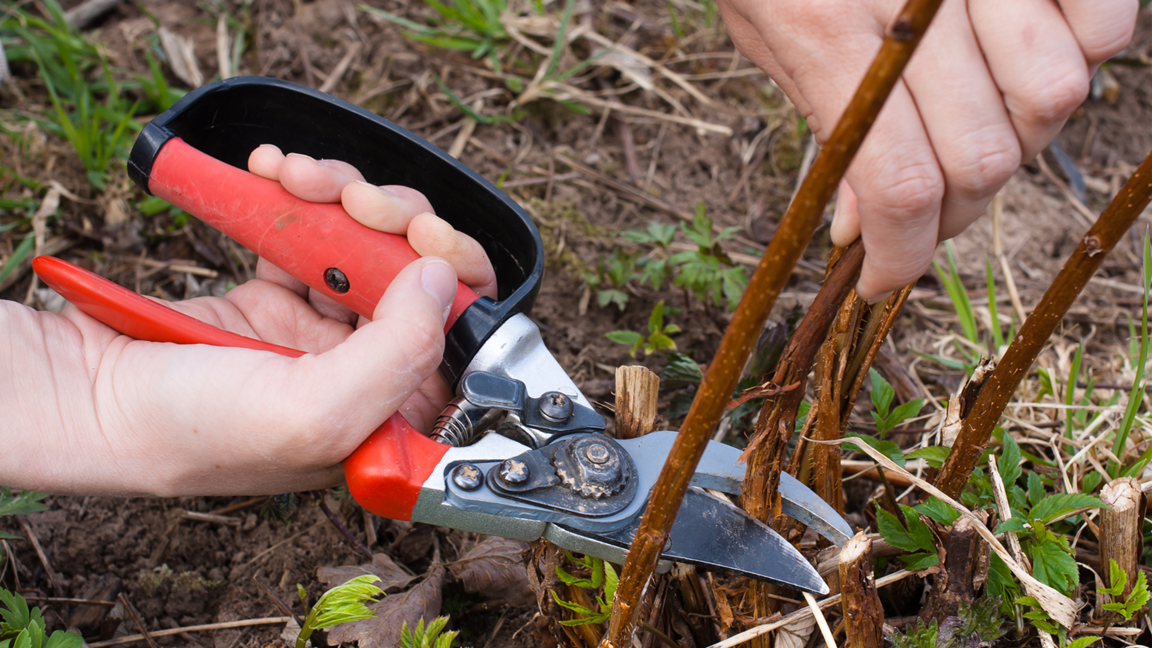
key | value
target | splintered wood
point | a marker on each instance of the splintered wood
(863, 613)
(1120, 532)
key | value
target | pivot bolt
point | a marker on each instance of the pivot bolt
(513, 472)
(556, 407)
(466, 476)
(597, 453)
(336, 280)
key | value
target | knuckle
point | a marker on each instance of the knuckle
(978, 170)
(1057, 95)
(911, 192)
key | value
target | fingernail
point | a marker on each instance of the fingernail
(271, 147)
(308, 157)
(872, 301)
(439, 280)
(384, 190)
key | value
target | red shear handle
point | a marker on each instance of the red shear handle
(316, 243)
(386, 472)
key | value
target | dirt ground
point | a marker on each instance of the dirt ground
(178, 571)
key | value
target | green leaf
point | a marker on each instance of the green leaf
(938, 510)
(1009, 461)
(629, 338)
(1012, 525)
(919, 561)
(1053, 564)
(23, 504)
(1036, 492)
(934, 455)
(882, 393)
(894, 532)
(918, 530)
(656, 319)
(1082, 642)
(1053, 506)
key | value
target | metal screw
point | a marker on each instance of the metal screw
(555, 407)
(597, 453)
(466, 476)
(336, 280)
(513, 471)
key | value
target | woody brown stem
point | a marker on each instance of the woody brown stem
(637, 391)
(863, 613)
(1120, 533)
(791, 238)
(977, 427)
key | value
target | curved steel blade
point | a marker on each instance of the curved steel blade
(714, 534)
(720, 469)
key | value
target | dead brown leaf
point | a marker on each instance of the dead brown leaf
(392, 577)
(495, 568)
(383, 630)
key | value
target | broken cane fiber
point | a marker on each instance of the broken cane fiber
(788, 244)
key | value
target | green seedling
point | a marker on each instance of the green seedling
(707, 271)
(886, 418)
(976, 624)
(612, 276)
(65, 62)
(1136, 599)
(21, 504)
(431, 637)
(25, 628)
(602, 576)
(658, 335)
(345, 603)
(1136, 396)
(472, 26)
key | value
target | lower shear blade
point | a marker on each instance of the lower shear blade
(712, 533)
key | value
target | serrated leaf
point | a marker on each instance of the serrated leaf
(1014, 525)
(1117, 577)
(23, 504)
(1054, 506)
(1082, 642)
(1035, 488)
(938, 510)
(1053, 566)
(1009, 461)
(383, 630)
(919, 561)
(934, 455)
(919, 531)
(882, 393)
(894, 532)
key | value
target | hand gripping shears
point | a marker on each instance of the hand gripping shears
(520, 452)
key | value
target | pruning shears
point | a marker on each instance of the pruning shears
(520, 452)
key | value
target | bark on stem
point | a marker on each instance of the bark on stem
(1120, 533)
(791, 238)
(977, 427)
(863, 613)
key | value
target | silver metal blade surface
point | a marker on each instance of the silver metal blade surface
(714, 534)
(720, 469)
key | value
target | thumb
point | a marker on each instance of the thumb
(374, 371)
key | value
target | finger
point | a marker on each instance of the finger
(370, 375)
(1035, 61)
(388, 209)
(267, 271)
(432, 236)
(316, 180)
(899, 188)
(1102, 27)
(965, 118)
(846, 219)
(265, 161)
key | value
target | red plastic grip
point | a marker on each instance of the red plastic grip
(385, 474)
(302, 238)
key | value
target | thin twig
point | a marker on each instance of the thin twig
(227, 625)
(136, 619)
(1001, 385)
(279, 602)
(788, 244)
(357, 543)
(52, 577)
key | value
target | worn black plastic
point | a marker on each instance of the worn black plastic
(228, 119)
